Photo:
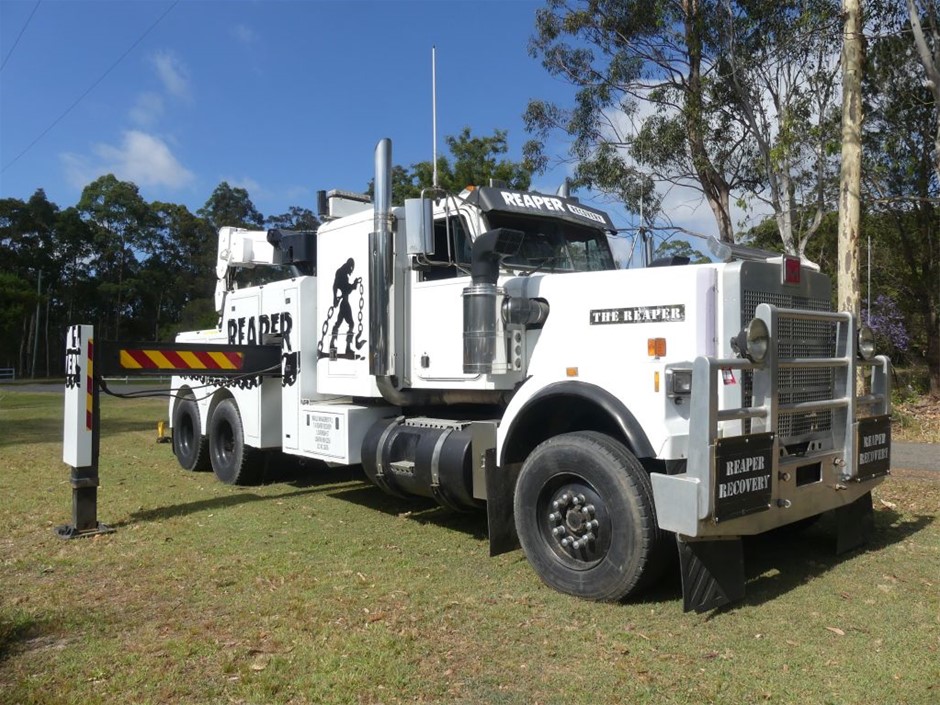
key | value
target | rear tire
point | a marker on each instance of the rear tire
(585, 517)
(189, 445)
(233, 462)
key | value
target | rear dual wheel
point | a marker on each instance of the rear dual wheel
(585, 517)
(232, 461)
(189, 445)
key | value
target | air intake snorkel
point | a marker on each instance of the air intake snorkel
(482, 327)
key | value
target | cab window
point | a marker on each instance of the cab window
(451, 256)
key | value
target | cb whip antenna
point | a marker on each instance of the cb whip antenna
(434, 113)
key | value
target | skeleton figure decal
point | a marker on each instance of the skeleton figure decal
(343, 286)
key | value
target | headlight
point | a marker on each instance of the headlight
(866, 343)
(679, 383)
(757, 340)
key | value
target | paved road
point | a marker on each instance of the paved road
(909, 456)
(915, 456)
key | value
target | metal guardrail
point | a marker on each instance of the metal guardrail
(7, 374)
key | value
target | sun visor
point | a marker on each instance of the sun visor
(504, 200)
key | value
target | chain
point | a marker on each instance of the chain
(247, 382)
(362, 300)
(326, 326)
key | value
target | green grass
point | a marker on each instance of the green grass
(320, 589)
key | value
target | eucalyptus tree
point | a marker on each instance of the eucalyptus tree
(296, 218)
(780, 61)
(121, 222)
(230, 206)
(473, 162)
(902, 187)
(924, 18)
(732, 98)
(647, 110)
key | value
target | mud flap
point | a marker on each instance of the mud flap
(855, 523)
(500, 518)
(712, 573)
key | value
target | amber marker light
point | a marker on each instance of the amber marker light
(656, 381)
(571, 371)
(656, 347)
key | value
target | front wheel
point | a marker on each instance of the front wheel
(233, 462)
(585, 517)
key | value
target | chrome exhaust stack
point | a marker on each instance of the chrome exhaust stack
(380, 265)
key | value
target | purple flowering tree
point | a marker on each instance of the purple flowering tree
(887, 323)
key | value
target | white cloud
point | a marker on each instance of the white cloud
(142, 158)
(147, 110)
(254, 189)
(173, 74)
(244, 34)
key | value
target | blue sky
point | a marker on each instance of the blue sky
(281, 98)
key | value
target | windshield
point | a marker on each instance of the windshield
(555, 245)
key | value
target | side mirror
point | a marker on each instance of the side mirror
(419, 226)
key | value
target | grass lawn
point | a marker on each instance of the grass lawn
(320, 589)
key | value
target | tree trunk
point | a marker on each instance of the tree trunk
(24, 342)
(850, 177)
(714, 186)
(46, 334)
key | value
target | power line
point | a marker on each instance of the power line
(18, 36)
(91, 88)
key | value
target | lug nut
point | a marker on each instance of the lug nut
(558, 531)
(588, 510)
(554, 516)
(580, 499)
(566, 542)
(576, 545)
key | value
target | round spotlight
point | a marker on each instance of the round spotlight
(758, 340)
(866, 343)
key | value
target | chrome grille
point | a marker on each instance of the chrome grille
(796, 339)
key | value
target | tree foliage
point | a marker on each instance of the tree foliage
(474, 161)
(733, 99)
(230, 206)
(136, 270)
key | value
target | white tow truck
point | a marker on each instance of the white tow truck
(483, 349)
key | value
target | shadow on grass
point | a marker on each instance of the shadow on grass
(42, 429)
(14, 630)
(301, 479)
(776, 563)
(419, 509)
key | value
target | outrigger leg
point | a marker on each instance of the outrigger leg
(82, 435)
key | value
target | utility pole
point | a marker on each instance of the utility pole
(850, 176)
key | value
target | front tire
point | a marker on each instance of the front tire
(585, 517)
(233, 462)
(189, 445)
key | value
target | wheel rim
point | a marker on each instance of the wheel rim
(574, 522)
(226, 443)
(186, 435)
